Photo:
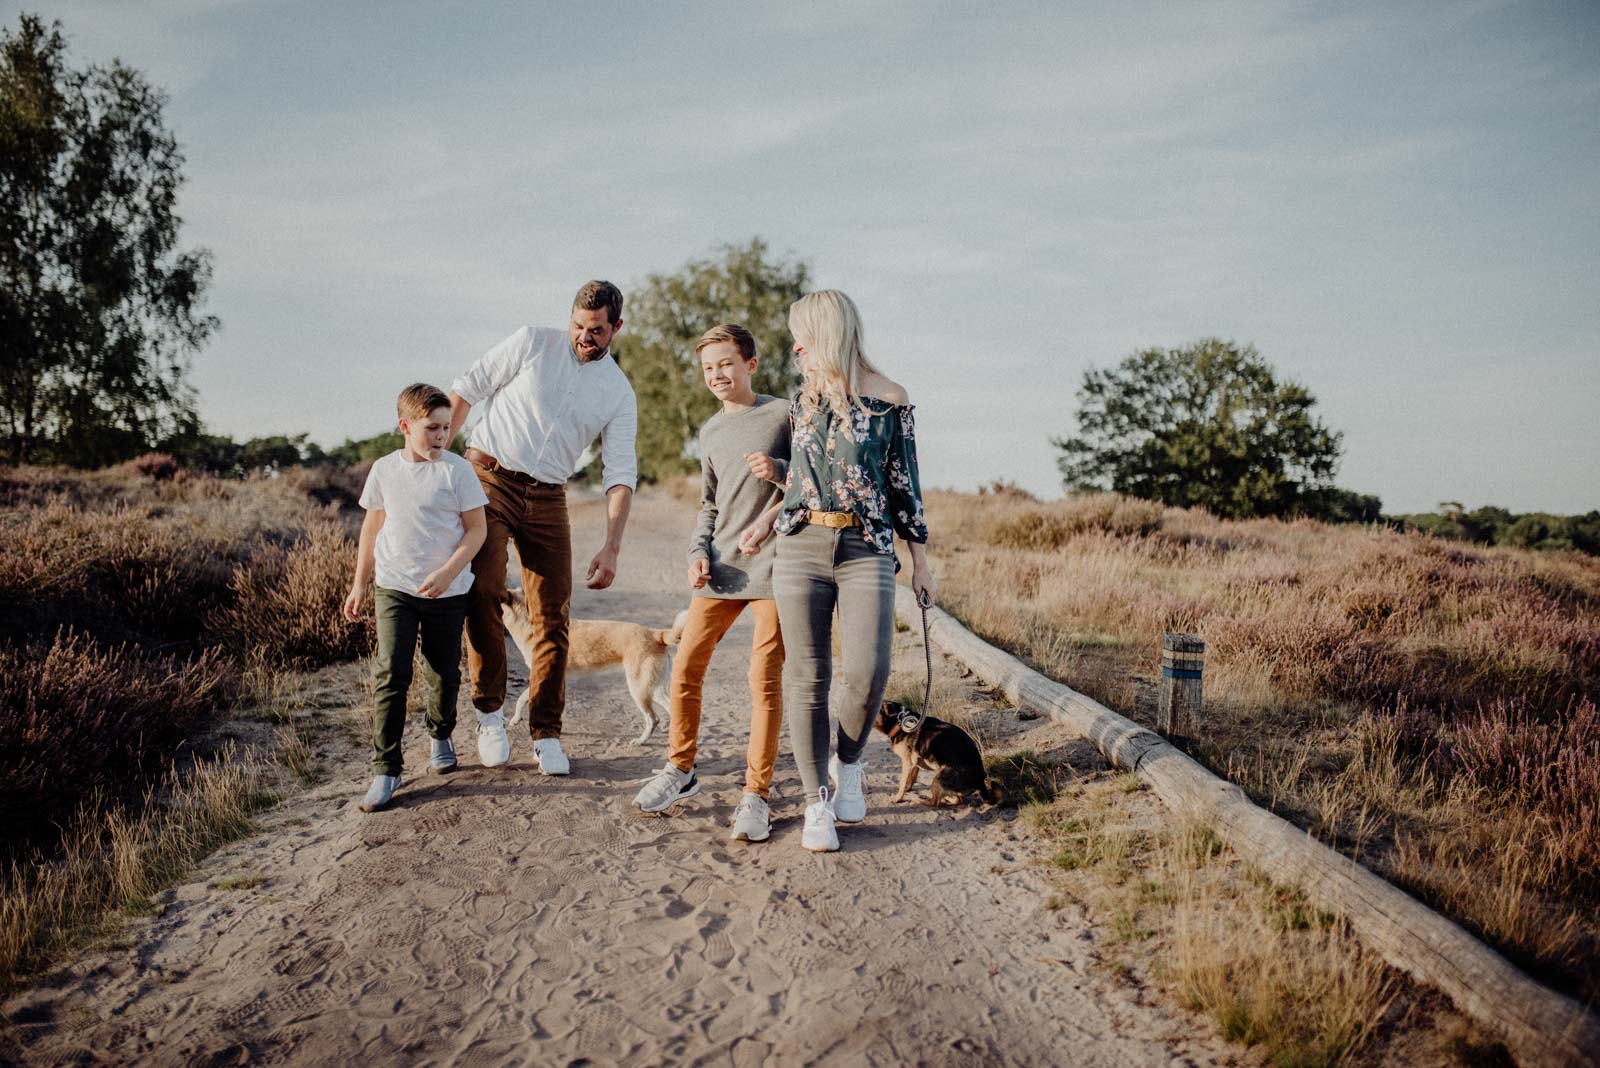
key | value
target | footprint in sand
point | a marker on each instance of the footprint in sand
(718, 950)
(303, 960)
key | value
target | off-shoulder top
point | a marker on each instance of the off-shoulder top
(866, 464)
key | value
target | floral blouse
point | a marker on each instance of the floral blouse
(866, 465)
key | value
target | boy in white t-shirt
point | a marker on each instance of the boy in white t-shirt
(424, 524)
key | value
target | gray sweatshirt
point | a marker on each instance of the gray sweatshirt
(731, 498)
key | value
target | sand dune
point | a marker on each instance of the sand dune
(496, 917)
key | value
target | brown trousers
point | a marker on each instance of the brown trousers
(709, 619)
(534, 516)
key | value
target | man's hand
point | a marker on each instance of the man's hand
(602, 569)
(761, 466)
(699, 573)
(352, 604)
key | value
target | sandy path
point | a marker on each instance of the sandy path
(499, 917)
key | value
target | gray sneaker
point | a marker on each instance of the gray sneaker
(666, 788)
(752, 820)
(380, 793)
(443, 760)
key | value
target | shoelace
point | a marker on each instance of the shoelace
(654, 775)
(822, 799)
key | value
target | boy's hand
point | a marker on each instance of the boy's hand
(352, 604)
(761, 466)
(754, 534)
(435, 584)
(699, 574)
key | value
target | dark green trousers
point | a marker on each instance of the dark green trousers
(402, 617)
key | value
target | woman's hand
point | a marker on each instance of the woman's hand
(922, 583)
(699, 573)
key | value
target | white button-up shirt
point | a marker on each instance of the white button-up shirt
(540, 407)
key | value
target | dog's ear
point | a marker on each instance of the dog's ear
(888, 716)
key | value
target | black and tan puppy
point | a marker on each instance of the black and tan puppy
(944, 749)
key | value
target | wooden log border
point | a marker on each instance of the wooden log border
(1541, 1028)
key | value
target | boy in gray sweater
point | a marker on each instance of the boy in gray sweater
(744, 452)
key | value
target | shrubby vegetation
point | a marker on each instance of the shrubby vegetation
(132, 602)
(1427, 706)
(1490, 525)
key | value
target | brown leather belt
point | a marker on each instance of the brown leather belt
(489, 463)
(836, 520)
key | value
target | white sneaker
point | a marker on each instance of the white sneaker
(849, 782)
(819, 835)
(494, 748)
(552, 761)
(752, 820)
(666, 788)
(380, 793)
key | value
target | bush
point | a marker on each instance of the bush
(156, 466)
(285, 608)
(82, 720)
(1043, 528)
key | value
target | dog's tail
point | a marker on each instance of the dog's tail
(670, 637)
(992, 792)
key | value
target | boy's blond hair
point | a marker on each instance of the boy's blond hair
(731, 332)
(419, 399)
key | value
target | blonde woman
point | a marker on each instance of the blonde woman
(852, 487)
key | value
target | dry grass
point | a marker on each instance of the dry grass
(84, 720)
(132, 600)
(114, 858)
(1179, 908)
(1426, 706)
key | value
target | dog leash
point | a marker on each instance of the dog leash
(911, 722)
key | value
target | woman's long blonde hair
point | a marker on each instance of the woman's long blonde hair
(828, 326)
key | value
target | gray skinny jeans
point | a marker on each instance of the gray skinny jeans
(815, 568)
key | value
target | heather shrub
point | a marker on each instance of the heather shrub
(132, 572)
(82, 719)
(285, 605)
(1013, 521)
(156, 466)
(1426, 705)
(130, 605)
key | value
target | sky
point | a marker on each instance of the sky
(1398, 205)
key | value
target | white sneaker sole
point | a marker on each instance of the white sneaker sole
(741, 836)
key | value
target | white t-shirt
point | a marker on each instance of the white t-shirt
(422, 505)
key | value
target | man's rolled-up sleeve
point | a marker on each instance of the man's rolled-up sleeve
(495, 368)
(619, 461)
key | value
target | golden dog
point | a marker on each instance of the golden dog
(644, 653)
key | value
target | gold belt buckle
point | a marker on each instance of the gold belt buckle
(836, 520)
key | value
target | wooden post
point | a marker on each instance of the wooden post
(1183, 660)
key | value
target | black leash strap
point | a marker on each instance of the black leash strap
(911, 722)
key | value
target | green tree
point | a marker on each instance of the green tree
(664, 318)
(99, 310)
(1205, 425)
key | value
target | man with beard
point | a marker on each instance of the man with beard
(544, 394)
